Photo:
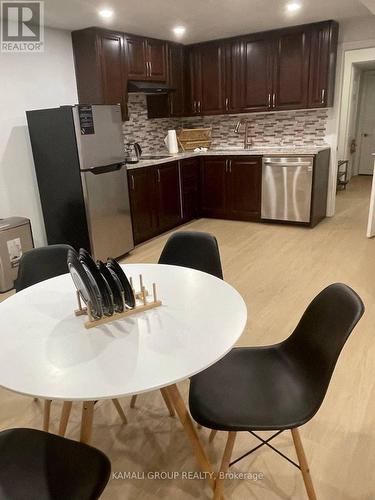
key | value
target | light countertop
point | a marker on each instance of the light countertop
(284, 151)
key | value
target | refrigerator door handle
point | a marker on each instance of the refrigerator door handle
(103, 169)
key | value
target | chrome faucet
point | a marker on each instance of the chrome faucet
(247, 138)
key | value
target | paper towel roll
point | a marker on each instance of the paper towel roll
(171, 142)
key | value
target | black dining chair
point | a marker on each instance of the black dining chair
(36, 465)
(41, 264)
(195, 250)
(278, 387)
(35, 266)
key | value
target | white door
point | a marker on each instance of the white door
(367, 125)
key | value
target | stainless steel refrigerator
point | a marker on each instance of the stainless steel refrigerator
(79, 162)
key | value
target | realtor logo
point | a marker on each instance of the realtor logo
(22, 26)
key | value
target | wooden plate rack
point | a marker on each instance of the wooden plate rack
(142, 304)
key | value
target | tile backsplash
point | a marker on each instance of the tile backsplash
(283, 128)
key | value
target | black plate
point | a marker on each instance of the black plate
(128, 291)
(114, 286)
(84, 284)
(102, 286)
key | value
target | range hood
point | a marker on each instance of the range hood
(149, 87)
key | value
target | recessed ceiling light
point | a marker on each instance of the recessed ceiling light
(293, 6)
(179, 30)
(106, 13)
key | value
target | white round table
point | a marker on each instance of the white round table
(46, 351)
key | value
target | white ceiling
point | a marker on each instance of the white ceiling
(203, 19)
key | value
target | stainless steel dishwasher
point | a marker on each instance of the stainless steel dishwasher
(287, 188)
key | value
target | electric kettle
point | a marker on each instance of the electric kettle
(133, 152)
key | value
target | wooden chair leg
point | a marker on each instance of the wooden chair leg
(133, 400)
(219, 485)
(46, 414)
(212, 436)
(303, 464)
(64, 419)
(167, 402)
(119, 409)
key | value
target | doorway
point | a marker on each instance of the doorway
(356, 135)
(366, 124)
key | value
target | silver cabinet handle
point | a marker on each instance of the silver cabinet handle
(159, 175)
(226, 104)
(199, 106)
(269, 100)
(274, 100)
(323, 96)
(150, 68)
(132, 179)
(146, 64)
(230, 166)
(226, 166)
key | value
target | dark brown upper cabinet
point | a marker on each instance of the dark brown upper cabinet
(291, 69)
(257, 73)
(176, 73)
(232, 66)
(146, 58)
(99, 59)
(324, 38)
(194, 76)
(212, 79)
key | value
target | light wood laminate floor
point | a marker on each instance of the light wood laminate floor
(278, 269)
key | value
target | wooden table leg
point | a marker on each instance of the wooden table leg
(187, 423)
(86, 421)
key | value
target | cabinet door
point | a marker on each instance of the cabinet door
(291, 70)
(213, 187)
(244, 187)
(322, 64)
(168, 196)
(212, 76)
(112, 68)
(256, 74)
(136, 54)
(194, 99)
(232, 65)
(189, 172)
(176, 79)
(157, 60)
(142, 203)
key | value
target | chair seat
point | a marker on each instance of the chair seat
(254, 389)
(35, 465)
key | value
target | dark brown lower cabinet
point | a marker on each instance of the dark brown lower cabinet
(214, 186)
(244, 188)
(189, 172)
(168, 199)
(154, 200)
(141, 190)
(231, 187)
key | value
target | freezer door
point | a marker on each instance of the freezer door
(108, 211)
(99, 135)
(286, 189)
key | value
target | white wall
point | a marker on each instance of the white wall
(30, 81)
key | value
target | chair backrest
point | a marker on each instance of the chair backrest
(195, 250)
(41, 264)
(319, 337)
